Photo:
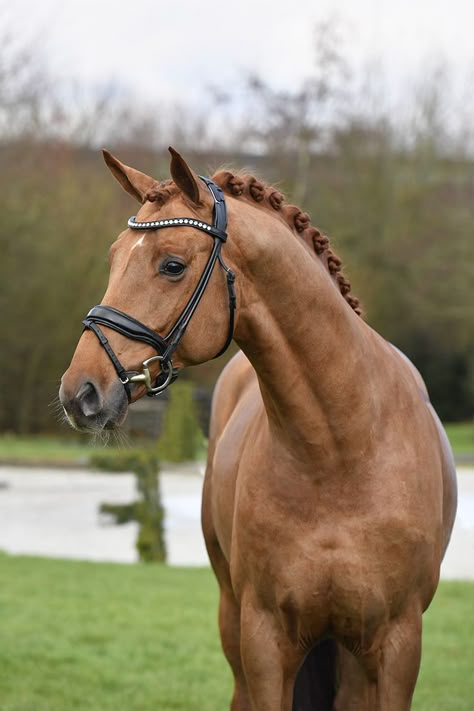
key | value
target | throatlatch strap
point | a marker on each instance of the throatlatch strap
(230, 277)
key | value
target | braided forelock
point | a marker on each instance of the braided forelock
(252, 189)
(161, 192)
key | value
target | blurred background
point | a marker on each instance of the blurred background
(362, 114)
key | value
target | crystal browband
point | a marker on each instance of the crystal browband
(176, 221)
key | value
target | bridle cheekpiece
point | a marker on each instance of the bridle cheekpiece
(166, 345)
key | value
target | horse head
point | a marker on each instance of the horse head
(166, 306)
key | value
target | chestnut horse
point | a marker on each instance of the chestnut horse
(330, 489)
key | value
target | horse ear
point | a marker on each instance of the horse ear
(135, 183)
(186, 179)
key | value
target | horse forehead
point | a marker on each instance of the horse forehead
(155, 211)
(155, 239)
(177, 239)
(139, 242)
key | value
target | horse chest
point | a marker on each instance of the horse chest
(331, 555)
(323, 573)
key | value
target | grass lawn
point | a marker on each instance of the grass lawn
(105, 637)
(102, 637)
(75, 450)
(461, 436)
(48, 449)
(57, 451)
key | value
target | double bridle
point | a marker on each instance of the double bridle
(166, 345)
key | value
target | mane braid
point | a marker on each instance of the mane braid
(248, 187)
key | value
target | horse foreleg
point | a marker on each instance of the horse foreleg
(384, 677)
(269, 660)
(229, 626)
(399, 662)
(355, 691)
(229, 610)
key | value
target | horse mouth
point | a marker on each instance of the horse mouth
(88, 411)
(94, 426)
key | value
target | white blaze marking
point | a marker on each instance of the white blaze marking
(139, 241)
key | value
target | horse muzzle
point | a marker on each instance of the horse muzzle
(89, 409)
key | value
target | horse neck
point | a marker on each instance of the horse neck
(306, 344)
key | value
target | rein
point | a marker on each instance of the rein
(166, 345)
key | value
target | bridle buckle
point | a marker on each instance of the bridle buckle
(145, 375)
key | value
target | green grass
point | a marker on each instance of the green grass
(461, 436)
(105, 637)
(446, 681)
(67, 451)
(75, 450)
(48, 449)
(102, 637)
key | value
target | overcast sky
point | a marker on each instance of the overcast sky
(176, 48)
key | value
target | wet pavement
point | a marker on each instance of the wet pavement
(54, 512)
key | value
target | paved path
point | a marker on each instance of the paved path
(54, 512)
(459, 559)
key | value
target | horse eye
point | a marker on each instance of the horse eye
(172, 268)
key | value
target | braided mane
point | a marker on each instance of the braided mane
(248, 187)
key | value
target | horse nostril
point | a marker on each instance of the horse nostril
(89, 399)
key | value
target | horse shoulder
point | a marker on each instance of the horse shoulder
(449, 490)
(229, 388)
(236, 396)
(416, 374)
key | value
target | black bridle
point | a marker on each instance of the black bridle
(166, 345)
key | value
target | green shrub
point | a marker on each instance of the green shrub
(147, 510)
(182, 436)
(128, 460)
